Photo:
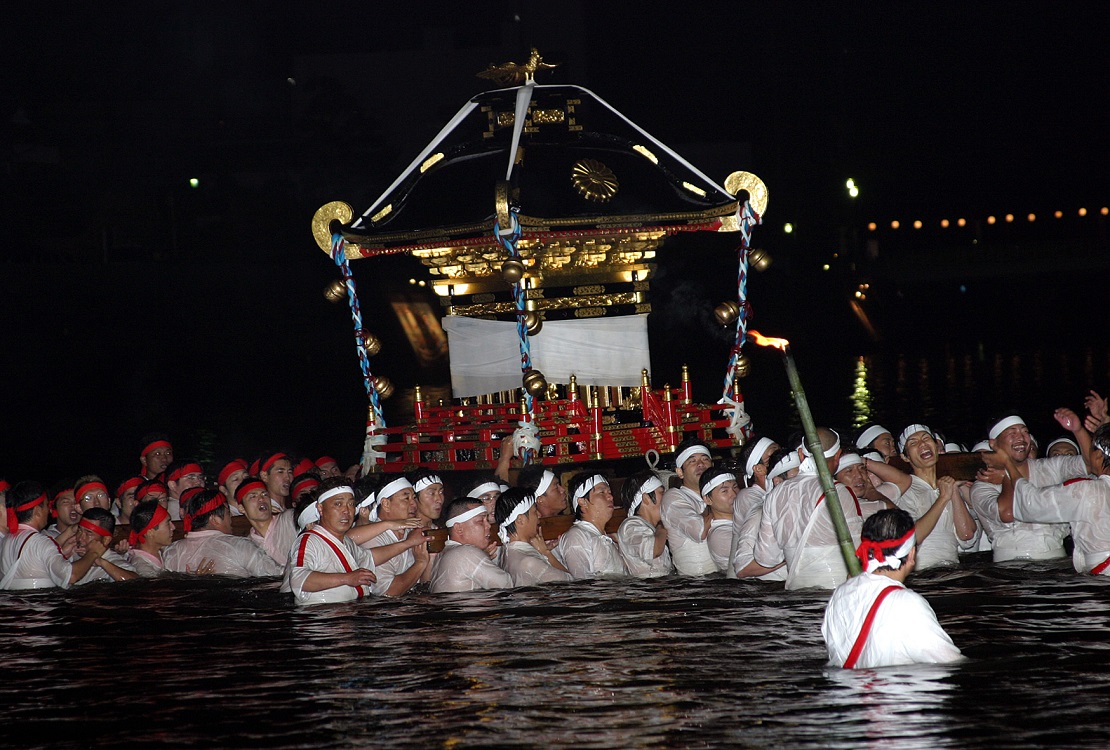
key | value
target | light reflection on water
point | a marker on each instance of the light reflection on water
(663, 663)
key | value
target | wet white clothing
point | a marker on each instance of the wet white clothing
(1083, 503)
(97, 573)
(145, 564)
(394, 566)
(797, 528)
(320, 551)
(720, 542)
(1018, 540)
(231, 555)
(904, 631)
(683, 515)
(588, 553)
(529, 567)
(279, 537)
(636, 542)
(29, 559)
(942, 547)
(464, 567)
(747, 515)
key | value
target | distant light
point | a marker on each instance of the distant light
(825, 267)
(850, 183)
(1104, 210)
(853, 191)
(412, 281)
(421, 283)
(194, 182)
(1059, 214)
(1032, 217)
(991, 220)
(872, 226)
(1009, 218)
(963, 288)
(917, 224)
(1082, 212)
(961, 222)
(788, 228)
(944, 223)
(836, 255)
(895, 224)
(859, 294)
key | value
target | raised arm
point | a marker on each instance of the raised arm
(888, 473)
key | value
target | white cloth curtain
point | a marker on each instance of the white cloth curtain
(485, 354)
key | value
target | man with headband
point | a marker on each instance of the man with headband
(181, 476)
(155, 454)
(526, 557)
(99, 524)
(993, 502)
(719, 489)
(64, 513)
(872, 619)
(642, 537)
(1083, 503)
(208, 537)
(428, 487)
(30, 559)
(274, 534)
(585, 548)
(875, 437)
(797, 528)
(685, 516)
(465, 564)
(747, 508)
(401, 558)
(326, 566)
(276, 470)
(486, 488)
(151, 532)
(550, 494)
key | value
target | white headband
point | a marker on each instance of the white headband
(790, 461)
(693, 450)
(425, 482)
(1003, 424)
(868, 436)
(464, 517)
(982, 445)
(849, 459)
(756, 455)
(326, 494)
(893, 559)
(651, 485)
(716, 482)
(875, 456)
(483, 488)
(910, 431)
(393, 488)
(585, 488)
(830, 452)
(954, 448)
(311, 514)
(545, 482)
(520, 509)
(1057, 441)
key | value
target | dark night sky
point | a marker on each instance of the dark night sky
(131, 302)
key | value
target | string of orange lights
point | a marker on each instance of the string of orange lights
(1007, 218)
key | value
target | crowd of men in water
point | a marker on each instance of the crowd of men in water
(335, 535)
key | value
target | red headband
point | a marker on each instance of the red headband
(248, 485)
(88, 487)
(181, 471)
(876, 548)
(138, 537)
(142, 492)
(156, 444)
(13, 521)
(4, 485)
(309, 481)
(84, 523)
(269, 462)
(208, 507)
(128, 484)
(231, 467)
(325, 460)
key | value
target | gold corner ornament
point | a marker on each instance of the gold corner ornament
(593, 180)
(752, 185)
(515, 74)
(501, 204)
(325, 215)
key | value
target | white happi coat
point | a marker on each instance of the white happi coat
(279, 537)
(315, 551)
(144, 563)
(1083, 503)
(636, 542)
(529, 567)
(905, 629)
(464, 567)
(97, 573)
(747, 515)
(1018, 540)
(29, 559)
(720, 542)
(942, 547)
(231, 555)
(683, 515)
(797, 528)
(588, 553)
(392, 567)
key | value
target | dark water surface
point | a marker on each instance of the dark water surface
(669, 662)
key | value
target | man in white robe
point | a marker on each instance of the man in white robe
(465, 563)
(685, 516)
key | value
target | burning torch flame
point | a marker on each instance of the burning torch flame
(762, 340)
